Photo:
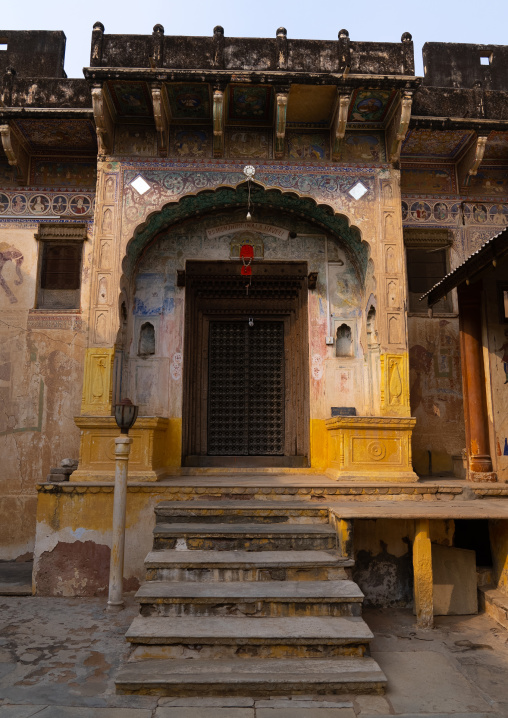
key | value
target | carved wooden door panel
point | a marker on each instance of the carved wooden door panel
(246, 388)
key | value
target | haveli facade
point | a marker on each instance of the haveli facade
(123, 220)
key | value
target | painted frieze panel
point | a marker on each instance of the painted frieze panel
(7, 175)
(311, 105)
(308, 146)
(50, 204)
(255, 144)
(489, 181)
(131, 99)
(363, 147)
(191, 142)
(252, 103)
(135, 140)
(189, 101)
(497, 146)
(61, 135)
(434, 180)
(48, 173)
(435, 143)
(370, 105)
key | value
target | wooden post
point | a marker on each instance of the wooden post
(473, 383)
(422, 567)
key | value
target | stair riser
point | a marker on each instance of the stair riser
(251, 650)
(178, 517)
(204, 575)
(274, 609)
(275, 543)
(252, 688)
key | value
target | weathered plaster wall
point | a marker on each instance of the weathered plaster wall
(41, 370)
(495, 283)
(383, 556)
(435, 393)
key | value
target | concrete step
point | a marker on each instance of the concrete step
(244, 537)
(263, 512)
(251, 677)
(211, 566)
(247, 637)
(250, 598)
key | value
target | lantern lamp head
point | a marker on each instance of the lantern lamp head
(126, 414)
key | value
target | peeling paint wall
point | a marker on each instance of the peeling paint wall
(41, 370)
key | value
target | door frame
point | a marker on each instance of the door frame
(282, 294)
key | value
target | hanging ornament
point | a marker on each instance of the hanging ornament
(246, 255)
(249, 171)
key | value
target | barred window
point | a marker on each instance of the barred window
(61, 248)
(425, 267)
(61, 266)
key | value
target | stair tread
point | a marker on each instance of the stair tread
(239, 505)
(242, 630)
(252, 530)
(255, 590)
(310, 670)
(240, 559)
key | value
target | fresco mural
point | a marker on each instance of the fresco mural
(250, 102)
(242, 143)
(308, 145)
(361, 147)
(190, 142)
(48, 173)
(434, 143)
(70, 135)
(489, 182)
(131, 98)
(434, 180)
(135, 140)
(8, 253)
(497, 146)
(370, 105)
(7, 175)
(189, 101)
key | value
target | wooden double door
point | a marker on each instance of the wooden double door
(246, 371)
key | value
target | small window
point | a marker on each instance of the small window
(3, 45)
(485, 59)
(425, 267)
(60, 267)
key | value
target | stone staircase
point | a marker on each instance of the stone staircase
(248, 598)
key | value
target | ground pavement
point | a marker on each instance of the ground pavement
(59, 657)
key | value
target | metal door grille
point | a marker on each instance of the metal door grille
(246, 389)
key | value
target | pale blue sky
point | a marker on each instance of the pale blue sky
(432, 20)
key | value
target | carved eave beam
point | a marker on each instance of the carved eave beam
(340, 123)
(17, 155)
(401, 125)
(472, 159)
(104, 123)
(218, 122)
(281, 107)
(162, 115)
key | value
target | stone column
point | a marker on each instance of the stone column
(422, 567)
(473, 384)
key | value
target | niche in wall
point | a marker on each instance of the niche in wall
(146, 346)
(343, 340)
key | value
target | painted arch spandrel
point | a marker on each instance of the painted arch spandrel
(156, 381)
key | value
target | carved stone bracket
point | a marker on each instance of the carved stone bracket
(17, 155)
(468, 166)
(281, 105)
(103, 121)
(161, 113)
(341, 116)
(401, 126)
(218, 122)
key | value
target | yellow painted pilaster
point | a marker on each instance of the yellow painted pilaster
(318, 444)
(98, 382)
(423, 582)
(395, 384)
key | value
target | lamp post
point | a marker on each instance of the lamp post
(125, 415)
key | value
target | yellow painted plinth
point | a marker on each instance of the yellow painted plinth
(150, 451)
(370, 447)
